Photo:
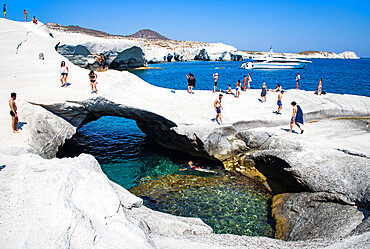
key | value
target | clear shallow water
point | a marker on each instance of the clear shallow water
(339, 76)
(126, 154)
(128, 157)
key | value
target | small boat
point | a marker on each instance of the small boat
(274, 62)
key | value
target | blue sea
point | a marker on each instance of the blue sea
(129, 157)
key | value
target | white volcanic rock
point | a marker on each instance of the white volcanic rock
(83, 49)
(156, 50)
(322, 159)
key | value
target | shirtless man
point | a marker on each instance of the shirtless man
(25, 15)
(215, 77)
(13, 112)
(279, 102)
(297, 79)
(100, 60)
(218, 108)
(294, 117)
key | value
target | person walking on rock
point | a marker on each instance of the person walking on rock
(279, 102)
(4, 10)
(25, 15)
(64, 74)
(93, 77)
(297, 79)
(215, 77)
(13, 112)
(218, 107)
(297, 117)
(264, 92)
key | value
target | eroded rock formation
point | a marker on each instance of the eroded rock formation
(64, 211)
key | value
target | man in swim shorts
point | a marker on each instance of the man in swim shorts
(4, 10)
(279, 103)
(191, 166)
(218, 108)
(100, 60)
(294, 117)
(13, 112)
(215, 77)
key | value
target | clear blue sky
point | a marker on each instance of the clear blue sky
(289, 26)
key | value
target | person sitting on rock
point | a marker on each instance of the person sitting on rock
(277, 89)
(100, 60)
(34, 20)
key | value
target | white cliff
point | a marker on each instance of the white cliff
(70, 203)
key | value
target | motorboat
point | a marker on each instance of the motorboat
(274, 62)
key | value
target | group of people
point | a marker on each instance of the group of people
(64, 71)
(34, 20)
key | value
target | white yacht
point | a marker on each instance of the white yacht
(274, 62)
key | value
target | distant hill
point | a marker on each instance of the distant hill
(77, 29)
(143, 34)
(148, 34)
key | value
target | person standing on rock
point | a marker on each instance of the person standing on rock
(13, 112)
(25, 15)
(4, 10)
(245, 79)
(263, 92)
(279, 102)
(218, 107)
(297, 117)
(319, 88)
(191, 83)
(297, 79)
(215, 77)
(64, 74)
(100, 60)
(93, 77)
(238, 85)
(249, 80)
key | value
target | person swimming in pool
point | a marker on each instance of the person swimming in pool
(192, 166)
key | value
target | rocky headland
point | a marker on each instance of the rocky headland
(320, 179)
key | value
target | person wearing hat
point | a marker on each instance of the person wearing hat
(215, 77)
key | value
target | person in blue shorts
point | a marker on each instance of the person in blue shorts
(4, 10)
(279, 102)
(218, 108)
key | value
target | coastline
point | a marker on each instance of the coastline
(52, 115)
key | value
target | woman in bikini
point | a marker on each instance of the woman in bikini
(64, 74)
(93, 77)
